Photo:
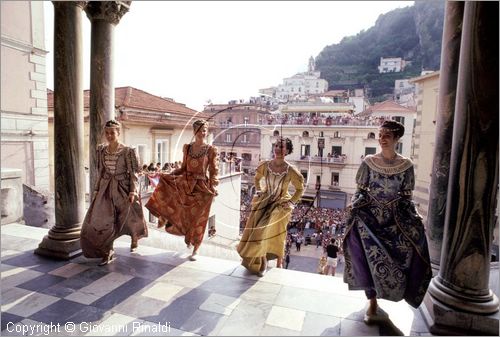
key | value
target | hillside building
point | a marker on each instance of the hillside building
(391, 65)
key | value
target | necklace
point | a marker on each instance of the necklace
(200, 153)
(113, 151)
(279, 168)
(389, 161)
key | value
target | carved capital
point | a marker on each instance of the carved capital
(110, 11)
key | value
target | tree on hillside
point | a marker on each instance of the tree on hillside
(413, 33)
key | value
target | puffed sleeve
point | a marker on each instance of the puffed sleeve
(259, 174)
(182, 169)
(99, 166)
(297, 181)
(213, 166)
(133, 169)
(408, 184)
(362, 176)
(359, 198)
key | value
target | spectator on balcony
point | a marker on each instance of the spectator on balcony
(385, 246)
(265, 230)
(115, 208)
(183, 198)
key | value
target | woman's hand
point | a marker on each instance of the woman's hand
(287, 204)
(131, 196)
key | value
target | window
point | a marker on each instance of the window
(305, 134)
(305, 150)
(245, 120)
(276, 133)
(336, 134)
(321, 134)
(370, 150)
(246, 156)
(399, 148)
(162, 151)
(245, 138)
(228, 137)
(336, 150)
(304, 174)
(318, 182)
(335, 179)
(141, 153)
(399, 119)
(371, 135)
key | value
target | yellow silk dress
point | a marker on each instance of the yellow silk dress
(265, 229)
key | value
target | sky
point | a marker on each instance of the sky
(200, 51)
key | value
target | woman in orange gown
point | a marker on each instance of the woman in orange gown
(182, 199)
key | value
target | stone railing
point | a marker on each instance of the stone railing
(326, 160)
(321, 121)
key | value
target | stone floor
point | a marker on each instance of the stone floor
(156, 291)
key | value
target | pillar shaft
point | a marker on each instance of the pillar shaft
(463, 279)
(63, 240)
(450, 53)
(104, 15)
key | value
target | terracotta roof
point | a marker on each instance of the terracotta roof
(386, 106)
(130, 97)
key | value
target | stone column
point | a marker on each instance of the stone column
(104, 16)
(459, 299)
(63, 240)
(450, 53)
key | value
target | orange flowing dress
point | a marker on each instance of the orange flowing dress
(184, 197)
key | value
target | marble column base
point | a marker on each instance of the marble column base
(61, 243)
(443, 319)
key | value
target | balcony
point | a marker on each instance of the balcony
(322, 121)
(324, 160)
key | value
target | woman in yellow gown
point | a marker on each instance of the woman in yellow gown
(264, 235)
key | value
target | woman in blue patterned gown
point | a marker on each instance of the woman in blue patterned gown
(385, 247)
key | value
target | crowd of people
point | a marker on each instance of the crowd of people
(345, 119)
(317, 217)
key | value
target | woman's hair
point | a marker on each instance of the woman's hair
(112, 123)
(397, 129)
(289, 145)
(198, 124)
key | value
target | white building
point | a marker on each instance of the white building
(404, 93)
(360, 104)
(391, 64)
(24, 121)
(301, 85)
(425, 138)
(349, 139)
(393, 111)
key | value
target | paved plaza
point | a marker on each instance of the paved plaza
(157, 291)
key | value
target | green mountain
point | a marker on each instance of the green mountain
(413, 33)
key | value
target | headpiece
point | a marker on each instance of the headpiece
(396, 128)
(112, 124)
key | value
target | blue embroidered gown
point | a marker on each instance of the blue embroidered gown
(385, 245)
